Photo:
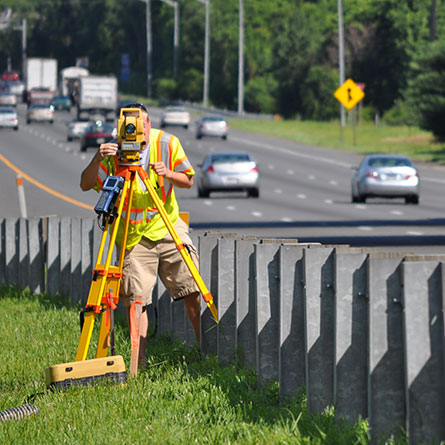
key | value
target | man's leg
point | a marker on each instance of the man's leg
(193, 309)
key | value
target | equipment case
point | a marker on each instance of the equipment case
(86, 372)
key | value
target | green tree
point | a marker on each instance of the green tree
(426, 93)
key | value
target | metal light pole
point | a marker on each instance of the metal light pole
(205, 93)
(175, 6)
(341, 60)
(149, 46)
(241, 59)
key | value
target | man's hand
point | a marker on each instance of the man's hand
(178, 179)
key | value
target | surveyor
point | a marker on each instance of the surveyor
(150, 250)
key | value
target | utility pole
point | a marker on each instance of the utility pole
(241, 59)
(175, 7)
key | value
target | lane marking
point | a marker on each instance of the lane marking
(365, 228)
(328, 201)
(257, 214)
(396, 212)
(44, 187)
(301, 196)
(415, 233)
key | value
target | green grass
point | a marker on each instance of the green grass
(413, 142)
(181, 397)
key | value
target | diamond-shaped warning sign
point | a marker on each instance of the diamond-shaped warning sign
(349, 94)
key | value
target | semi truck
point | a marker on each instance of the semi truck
(40, 80)
(97, 95)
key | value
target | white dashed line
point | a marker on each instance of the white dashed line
(360, 206)
(279, 191)
(271, 167)
(415, 233)
(396, 212)
(301, 196)
(286, 219)
(328, 201)
(333, 182)
(290, 172)
(311, 177)
(231, 208)
(365, 228)
(257, 214)
(208, 203)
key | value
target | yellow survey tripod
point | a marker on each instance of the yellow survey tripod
(104, 291)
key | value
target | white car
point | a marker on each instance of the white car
(176, 116)
(7, 98)
(40, 113)
(76, 129)
(8, 118)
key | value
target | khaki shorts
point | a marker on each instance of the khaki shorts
(148, 259)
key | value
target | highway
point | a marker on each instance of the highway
(305, 191)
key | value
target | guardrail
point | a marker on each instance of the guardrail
(357, 329)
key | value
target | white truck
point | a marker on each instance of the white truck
(41, 79)
(97, 95)
(69, 80)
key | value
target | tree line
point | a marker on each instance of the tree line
(394, 47)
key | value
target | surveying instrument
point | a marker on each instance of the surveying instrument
(104, 291)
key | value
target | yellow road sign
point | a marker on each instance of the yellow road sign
(349, 94)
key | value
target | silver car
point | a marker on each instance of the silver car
(228, 171)
(212, 126)
(177, 116)
(386, 175)
(8, 118)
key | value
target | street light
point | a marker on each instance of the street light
(341, 59)
(205, 93)
(148, 31)
(241, 59)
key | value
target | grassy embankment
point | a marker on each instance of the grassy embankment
(180, 398)
(413, 142)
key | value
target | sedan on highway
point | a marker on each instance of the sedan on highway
(40, 112)
(95, 134)
(8, 118)
(61, 103)
(388, 176)
(228, 171)
(8, 98)
(212, 126)
(175, 116)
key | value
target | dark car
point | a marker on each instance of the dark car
(95, 134)
(62, 103)
(228, 171)
(386, 176)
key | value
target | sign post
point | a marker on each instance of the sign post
(349, 95)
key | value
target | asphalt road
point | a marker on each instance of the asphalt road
(304, 191)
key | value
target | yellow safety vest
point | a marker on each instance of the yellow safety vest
(145, 219)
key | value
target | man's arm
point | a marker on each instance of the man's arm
(178, 179)
(89, 175)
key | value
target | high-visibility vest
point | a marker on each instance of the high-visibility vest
(145, 219)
